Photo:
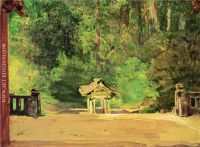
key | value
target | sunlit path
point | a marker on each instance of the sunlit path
(97, 130)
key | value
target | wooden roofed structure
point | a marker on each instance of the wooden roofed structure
(96, 90)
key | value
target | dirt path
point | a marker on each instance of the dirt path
(116, 130)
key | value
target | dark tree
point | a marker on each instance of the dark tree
(53, 32)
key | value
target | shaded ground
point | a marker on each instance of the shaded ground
(116, 130)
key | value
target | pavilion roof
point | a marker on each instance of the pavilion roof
(96, 87)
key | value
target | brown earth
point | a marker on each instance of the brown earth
(111, 130)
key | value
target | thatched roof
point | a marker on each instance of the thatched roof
(87, 89)
(95, 89)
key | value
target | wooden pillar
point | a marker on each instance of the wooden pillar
(39, 111)
(102, 105)
(25, 106)
(36, 101)
(4, 92)
(109, 107)
(91, 106)
(18, 105)
(11, 105)
(5, 8)
(94, 106)
(88, 104)
(196, 102)
(106, 106)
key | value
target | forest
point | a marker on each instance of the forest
(140, 48)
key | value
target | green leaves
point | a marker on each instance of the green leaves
(122, 2)
(133, 82)
(68, 76)
(23, 76)
(140, 41)
(54, 31)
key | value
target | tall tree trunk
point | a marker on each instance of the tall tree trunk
(124, 15)
(154, 15)
(182, 22)
(169, 11)
(140, 22)
(98, 41)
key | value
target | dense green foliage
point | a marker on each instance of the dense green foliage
(53, 31)
(139, 48)
(132, 81)
(19, 66)
(68, 76)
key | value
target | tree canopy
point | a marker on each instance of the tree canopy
(140, 48)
